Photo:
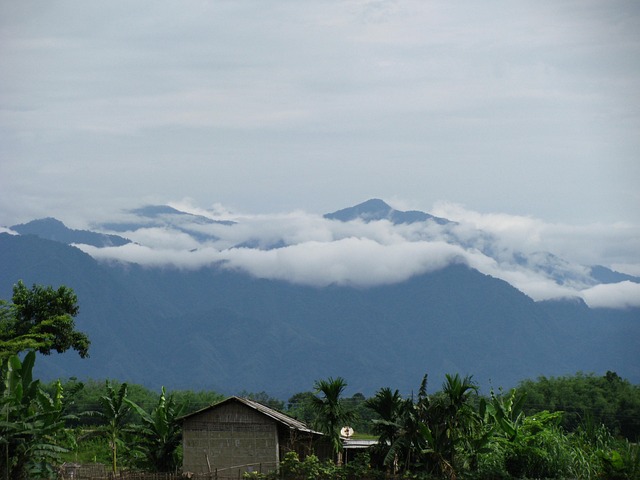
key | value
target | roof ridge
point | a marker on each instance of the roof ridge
(272, 413)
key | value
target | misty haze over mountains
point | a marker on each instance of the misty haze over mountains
(365, 245)
(189, 298)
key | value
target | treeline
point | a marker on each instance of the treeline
(583, 399)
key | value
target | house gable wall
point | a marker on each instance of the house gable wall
(229, 435)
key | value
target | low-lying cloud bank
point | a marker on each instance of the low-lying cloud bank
(308, 249)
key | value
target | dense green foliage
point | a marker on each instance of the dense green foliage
(159, 435)
(31, 422)
(264, 398)
(301, 406)
(452, 432)
(41, 319)
(608, 400)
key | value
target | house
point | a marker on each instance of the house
(240, 435)
(351, 448)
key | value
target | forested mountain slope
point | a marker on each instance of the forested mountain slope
(227, 330)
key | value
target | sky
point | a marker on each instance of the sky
(526, 107)
(500, 113)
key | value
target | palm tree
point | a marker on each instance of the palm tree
(450, 422)
(330, 410)
(389, 407)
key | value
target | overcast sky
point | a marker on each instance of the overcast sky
(527, 108)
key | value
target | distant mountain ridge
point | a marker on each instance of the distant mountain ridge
(53, 229)
(606, 275)
(164, 216)
(376, 209)
(205, 230)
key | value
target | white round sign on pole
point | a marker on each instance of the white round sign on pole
(346, 431)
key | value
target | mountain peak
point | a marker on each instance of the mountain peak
(53, 229)
(374, 205)
(154, 211)
(375, 209)
(48, 222)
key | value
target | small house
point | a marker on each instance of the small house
(240, 435)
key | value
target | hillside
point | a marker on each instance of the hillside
(224, 329)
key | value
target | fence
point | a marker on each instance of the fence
(153, 476)
(101, 472)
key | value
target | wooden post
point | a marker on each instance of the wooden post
(206, 455)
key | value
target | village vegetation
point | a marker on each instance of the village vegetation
(578, 426)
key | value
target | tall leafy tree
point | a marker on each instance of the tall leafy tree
(450, 422)
(42, 319)
(330, 409)
(410, 441)
(388, 406)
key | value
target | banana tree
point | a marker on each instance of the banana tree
(160, 433)
(30, 422)
(114, 412)
(507, 412)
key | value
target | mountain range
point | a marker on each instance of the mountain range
(184, 300)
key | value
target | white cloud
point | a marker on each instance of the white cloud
(162, 238)
(155, 257)
(617, 295)
(348, 261)
(590, 244)
(303, 248)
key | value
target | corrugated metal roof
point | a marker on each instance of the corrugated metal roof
(269, 412)
(361, 443)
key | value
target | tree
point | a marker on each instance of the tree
(388, 407)
(300, 406)
(160, 433)
(30, 422)
(115, 410)
(363, 416)
(332, 415)
(606, 399)
(41, 319)
(193, 401)
(264, 398)
(450, 422)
